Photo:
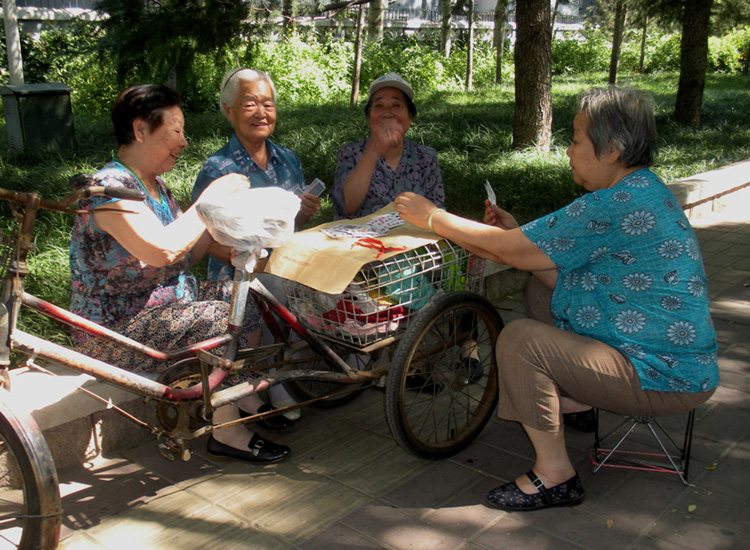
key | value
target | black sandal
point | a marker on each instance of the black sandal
(509, 497)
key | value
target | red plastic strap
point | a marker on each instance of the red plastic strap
(377, 245)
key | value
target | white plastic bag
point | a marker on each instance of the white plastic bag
(250, 220)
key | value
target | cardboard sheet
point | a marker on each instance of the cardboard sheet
(329, 265)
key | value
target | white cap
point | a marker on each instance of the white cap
(391, 80)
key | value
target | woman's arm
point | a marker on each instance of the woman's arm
(433, 180)
(505, 246)
(382, 138)
(357, 184)
(139, 231)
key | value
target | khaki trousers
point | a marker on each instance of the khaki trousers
(539, 363)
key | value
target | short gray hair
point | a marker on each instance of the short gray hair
(622, 119)
(230, 84)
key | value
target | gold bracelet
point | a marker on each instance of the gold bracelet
(429, 218)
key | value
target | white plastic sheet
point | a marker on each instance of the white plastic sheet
(250, 220)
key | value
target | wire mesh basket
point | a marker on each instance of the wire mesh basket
(378, 303)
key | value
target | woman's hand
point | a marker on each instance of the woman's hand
(496, 216)
(385, 135)
(309, 205)
(414, 208)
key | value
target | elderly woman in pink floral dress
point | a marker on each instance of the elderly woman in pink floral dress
(130, 261)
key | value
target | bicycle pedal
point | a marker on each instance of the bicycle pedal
(174, 450)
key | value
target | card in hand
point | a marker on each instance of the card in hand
(490, 192)
(316, 187)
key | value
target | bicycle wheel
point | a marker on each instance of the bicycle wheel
(442, 384)
(335, 394)
(30, 511)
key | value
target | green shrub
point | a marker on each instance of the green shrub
(574, 55)
(726, 54)
(68, 54)
(422, 66)
(664, 54)
(305, 69)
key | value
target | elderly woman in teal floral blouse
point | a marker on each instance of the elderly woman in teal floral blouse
(618, 305)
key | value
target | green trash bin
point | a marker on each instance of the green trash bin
(38, 116)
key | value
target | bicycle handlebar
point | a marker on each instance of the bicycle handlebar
(82, 188)
(123, 193)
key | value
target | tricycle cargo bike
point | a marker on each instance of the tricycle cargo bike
(412, 321)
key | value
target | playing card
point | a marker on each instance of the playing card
(352, 231)
(316, 187)
(386, 221)
(490, 192)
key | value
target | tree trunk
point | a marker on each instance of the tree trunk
(288, 12)
(357, 56)
(621, 12)
(375, 22)
(13, 42)
(532, 123)
(501, 14)
(470, 49)
(172, 77)
(554, 19)
(693, 60)
(445, 28)
(642, 61)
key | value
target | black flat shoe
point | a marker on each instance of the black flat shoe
(475, 369)
(261, 451)
(510, 498)
(273, 423)
(584, 421)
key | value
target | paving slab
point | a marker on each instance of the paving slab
(348, 485)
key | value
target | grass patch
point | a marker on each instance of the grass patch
(471, 132)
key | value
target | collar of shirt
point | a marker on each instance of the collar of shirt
(241, 156)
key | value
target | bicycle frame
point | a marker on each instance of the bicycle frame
(14, 297)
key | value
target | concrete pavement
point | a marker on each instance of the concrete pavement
(347, 484)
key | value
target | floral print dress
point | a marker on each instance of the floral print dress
(162, 307)
(417, 172)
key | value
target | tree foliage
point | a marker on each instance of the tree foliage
(163, 38)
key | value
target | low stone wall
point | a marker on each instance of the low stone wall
(76, 425)
(714, 191)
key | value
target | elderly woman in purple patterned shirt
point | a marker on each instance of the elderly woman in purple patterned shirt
(370, 173)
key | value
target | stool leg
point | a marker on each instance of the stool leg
(680, 469)
(600, 463)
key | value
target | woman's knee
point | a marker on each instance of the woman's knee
(514, 338)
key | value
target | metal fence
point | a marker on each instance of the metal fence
(56, 4)
(394, 17)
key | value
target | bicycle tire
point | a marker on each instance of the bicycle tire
(30, 510)
(437, 401)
